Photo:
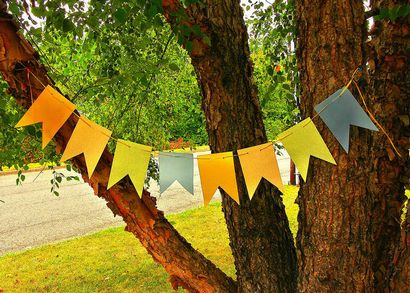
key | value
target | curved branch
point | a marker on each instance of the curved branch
(187, 267)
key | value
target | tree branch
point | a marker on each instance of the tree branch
(187, 267)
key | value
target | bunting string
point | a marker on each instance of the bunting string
(375, 120)
(302, 141)
(124, 143)
(339, 95)
(279, 137)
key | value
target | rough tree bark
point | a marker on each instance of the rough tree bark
(186, 266)
(259, 233)
(389, 90)
(349, 213)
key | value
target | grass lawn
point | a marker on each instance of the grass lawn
(114, 261)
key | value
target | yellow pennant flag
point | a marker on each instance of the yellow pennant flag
(217, 170)
(257, 162)
(90, 139)
(302, 141)
(51, 109)
(130, 159)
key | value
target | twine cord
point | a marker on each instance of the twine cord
(274, 141)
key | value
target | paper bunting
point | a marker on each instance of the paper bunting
(339, 112)
(52, 110)
(89, 139)
(257, 162)
(176, 167)
(302, 141)
(130, 159)
(217, 170)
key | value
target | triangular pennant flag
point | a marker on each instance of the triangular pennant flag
(257, 162)
(89, 139)
(302, 141)
(51, 109)
(341, 110)
(130, 159)
(217, 170)
(176, 167)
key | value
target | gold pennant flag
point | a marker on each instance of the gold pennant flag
(51, 109)
(302, 141)
(130, 159)
(257, 162)
(90, 139)
(217, 170)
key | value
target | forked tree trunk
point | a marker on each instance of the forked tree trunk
(186, 266)
(349, 214)
(349, 220)
(261, 240)
(259, 233)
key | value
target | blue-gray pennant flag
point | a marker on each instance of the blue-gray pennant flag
(176, 167)
(341, 110)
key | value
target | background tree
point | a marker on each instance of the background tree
(215, 36)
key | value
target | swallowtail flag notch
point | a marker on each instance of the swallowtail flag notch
(257, 162)
(341, 110)
(302, 141)
(52, 110)
(130, 159)
(217, 170)
(90, 139)
(176, 167)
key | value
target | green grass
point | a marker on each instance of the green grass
(31, 166)
(114, 261)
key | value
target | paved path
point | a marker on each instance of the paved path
(32, 216)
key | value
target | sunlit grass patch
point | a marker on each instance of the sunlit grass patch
(113, 260)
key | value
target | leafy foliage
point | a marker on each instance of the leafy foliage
(393, 13)
(273, 39)
(126, 70)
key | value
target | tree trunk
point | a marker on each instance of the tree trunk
(186, 266)
(349, 213)
(389, 89)
(259, 233)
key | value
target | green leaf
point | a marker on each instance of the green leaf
(189, 46)
(68, 25)
(120, 15)
(404, 10)
(286, 86)
(173, 67)
(207, 40)
(56, 193)
(14, 8)
(270, 71)
(38, 11)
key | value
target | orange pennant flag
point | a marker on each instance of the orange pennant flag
(257, 162)
(217, 170)
(51, 109)
(90, 139)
